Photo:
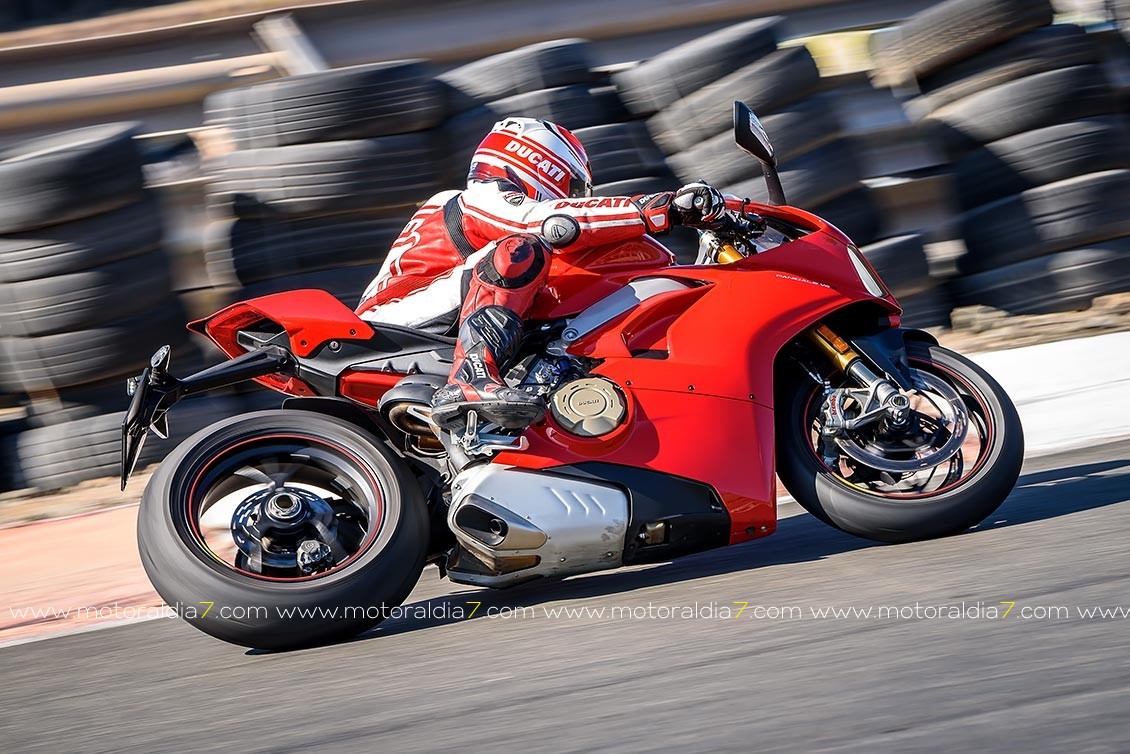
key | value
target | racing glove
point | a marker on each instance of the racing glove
(699, 205)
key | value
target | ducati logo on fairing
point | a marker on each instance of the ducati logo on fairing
(535, 158)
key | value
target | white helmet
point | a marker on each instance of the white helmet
(543, 159)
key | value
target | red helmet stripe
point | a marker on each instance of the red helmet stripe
(530, 179)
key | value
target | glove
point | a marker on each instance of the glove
(699, 205)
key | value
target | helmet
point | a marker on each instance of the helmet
(544, 160)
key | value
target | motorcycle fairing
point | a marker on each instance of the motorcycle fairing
(704, 384)
(310, 317)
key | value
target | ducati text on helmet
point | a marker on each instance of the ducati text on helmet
(543, 159)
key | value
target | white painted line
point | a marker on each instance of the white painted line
(1069, 394)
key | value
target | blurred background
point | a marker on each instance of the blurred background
(160, 160)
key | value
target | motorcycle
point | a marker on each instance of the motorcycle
(674, 396)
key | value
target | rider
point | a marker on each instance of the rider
(478, 257)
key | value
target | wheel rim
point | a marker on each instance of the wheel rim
(968, 427)
(284, 507)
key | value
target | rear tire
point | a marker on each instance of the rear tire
(953, 509)
(375, 579)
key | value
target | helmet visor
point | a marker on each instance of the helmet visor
(579, 188)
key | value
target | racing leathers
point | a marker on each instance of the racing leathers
(478, 257)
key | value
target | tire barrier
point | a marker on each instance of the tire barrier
(311, 178)
(86, 295)
(324, 170)
(1038, 151)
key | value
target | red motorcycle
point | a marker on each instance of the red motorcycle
(674, 394)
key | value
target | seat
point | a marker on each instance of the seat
(408, 339)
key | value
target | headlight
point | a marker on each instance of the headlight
(867, 276)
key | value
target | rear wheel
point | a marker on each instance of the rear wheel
(275, 530)
(885, 486)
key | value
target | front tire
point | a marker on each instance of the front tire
(257, 602)
(865, 511)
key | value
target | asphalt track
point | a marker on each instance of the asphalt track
(808, 684)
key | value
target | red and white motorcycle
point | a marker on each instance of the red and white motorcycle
(675, 395)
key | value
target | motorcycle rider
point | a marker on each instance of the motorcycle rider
(477, 258)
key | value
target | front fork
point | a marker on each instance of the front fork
(878, 399)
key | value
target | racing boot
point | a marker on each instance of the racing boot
(488, 342)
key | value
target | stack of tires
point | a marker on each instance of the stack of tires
(550, 80)
(687, 94)
(1040, 158)
(85, 298)
(553, 80)
(323, 171)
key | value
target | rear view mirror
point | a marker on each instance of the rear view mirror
(751, 137)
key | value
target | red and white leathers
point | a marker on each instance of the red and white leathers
(449, 259)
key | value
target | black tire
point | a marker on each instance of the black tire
(1080, 211)
(810, 179)
(248, 251)
(833, 501)
(1036, 158)
(1046, 49)
(59, 456)
(346, 284)
(547, 65)
(1064, 281)
(636, 186)
(122, 347)
(69, 175)
(901, 263)
(308, 180)
(380, 577)
(53, 407)
(621, 151)
(11, 477)
(1023, 105)
(855, 213)
(928, 308)
(574, 107)
(95, 241)
(794, 130)
(673, 74)
(777, 80)
(85, 299)
(359, 102)
(954, 30)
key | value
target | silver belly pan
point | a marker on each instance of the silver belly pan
(514, 525)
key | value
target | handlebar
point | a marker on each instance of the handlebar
(740, 224)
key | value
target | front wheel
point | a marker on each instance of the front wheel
(877, 490)
(282, 529)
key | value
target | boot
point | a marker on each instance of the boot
(488, 342)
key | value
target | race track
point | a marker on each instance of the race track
(748, 683)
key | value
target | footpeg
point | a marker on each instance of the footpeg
(476, 442)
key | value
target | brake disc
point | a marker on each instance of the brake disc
(954, 419)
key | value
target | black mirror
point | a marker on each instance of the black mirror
(750, 134)
(751, 137)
